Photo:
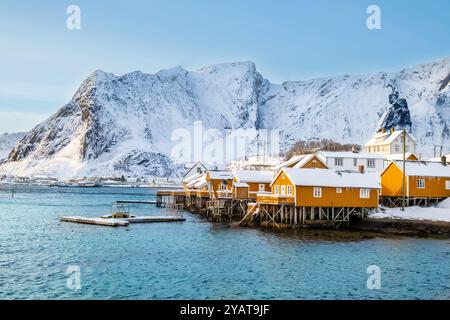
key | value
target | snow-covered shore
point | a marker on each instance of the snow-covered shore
(439, 213)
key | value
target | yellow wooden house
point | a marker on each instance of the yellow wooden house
(425, 181)
(219, 183)
(324, 188)
(248, 183)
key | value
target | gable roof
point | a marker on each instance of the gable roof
(333, 178)
(387, 137)
(306, 158)
(254, 176)
(293, 160)
(194, 166)
(423, 168)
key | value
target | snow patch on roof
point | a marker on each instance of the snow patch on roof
(333, 178)
(424, 168)
(254, 176)
(216, 175)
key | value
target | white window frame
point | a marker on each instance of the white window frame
(364, 193)
(397, 148)
(447, 185)
(355, 162)
(283, 190)
(338, 162)
(261, 187)
(371, 163)
(420, 184)
(289, 190)
(317, 192)
(277, 189)
(338, 190)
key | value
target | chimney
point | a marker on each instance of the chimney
(444, 160)
(361, 169)
(354, 149)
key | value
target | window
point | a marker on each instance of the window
(317, 192)
(262, 187)
(355, 162)
(289, 190)
(283, 190)
(338, 190)
(277, 189)
(364, 193)
(338, 162)
(397, 148)
(447, 185)
(199, 170)
(370, 163)
(407, 148)
(420, 183)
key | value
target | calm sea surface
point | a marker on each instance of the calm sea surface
(195, 259)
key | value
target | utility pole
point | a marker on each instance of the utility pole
(404, 169)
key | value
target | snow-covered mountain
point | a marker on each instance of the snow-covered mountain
(8, 141)
(122, 125)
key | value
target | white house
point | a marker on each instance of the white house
(196, 169)
(390, 142)
(352, 161)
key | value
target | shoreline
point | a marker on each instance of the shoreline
(403, 227)
(368, 228)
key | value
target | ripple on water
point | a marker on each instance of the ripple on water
(195, 259)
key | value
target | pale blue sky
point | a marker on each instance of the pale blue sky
(42, 63)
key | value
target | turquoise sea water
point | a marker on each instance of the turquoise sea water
(195, 259)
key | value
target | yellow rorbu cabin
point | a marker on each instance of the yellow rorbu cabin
(219, 183)
(248, 183)
(424, 181)
(323, 188)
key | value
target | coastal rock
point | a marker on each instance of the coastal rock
(397, 116)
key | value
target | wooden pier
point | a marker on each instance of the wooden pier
(253, 212)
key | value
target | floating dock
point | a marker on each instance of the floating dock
(97, 221)
(151, 219)
(109, 222)
(136, 202)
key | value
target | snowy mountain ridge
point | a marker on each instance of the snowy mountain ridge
(122, 125)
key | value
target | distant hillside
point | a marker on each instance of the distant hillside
(8, 141)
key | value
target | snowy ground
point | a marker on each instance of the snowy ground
(439, 213)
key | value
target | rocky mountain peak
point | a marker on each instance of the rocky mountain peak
(122, 125)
